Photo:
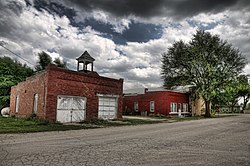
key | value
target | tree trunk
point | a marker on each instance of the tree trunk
(207, 109)
(245, 101)
(232, 109)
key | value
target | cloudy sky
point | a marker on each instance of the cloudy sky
(126, 37)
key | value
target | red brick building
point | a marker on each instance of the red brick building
(157, 102)
(63, 95)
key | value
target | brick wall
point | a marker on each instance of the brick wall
(26, 91)
(162, 101)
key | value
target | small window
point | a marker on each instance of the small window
(152, 106)
(185, 107)
(17, 103)
(136, 107)
(173, 107)
(179, 107)
(35, 103)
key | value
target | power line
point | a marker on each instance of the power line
(1, 44)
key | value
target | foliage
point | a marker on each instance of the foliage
(206, 62)
(44, 60)
(231, 93)
(11, 73)
(60, 63)
(248, 106)
(244, 90)
(18, 125)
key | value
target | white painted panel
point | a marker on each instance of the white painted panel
(63, 116)
(64, 103)
(113, 103)
(111, 113)
(78, 116)
(107, 107)
(78, 103)
(70, 109)
(112, 108)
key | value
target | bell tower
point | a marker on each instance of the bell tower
(86, 59)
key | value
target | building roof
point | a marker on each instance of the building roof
(137, 91)
(85, 57)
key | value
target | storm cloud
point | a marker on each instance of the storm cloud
(150, 8)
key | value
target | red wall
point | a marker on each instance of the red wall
(56, 81)
(26, 90)
(162, 100)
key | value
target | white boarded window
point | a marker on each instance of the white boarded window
(185, 107)
(35, 103)
(17, 103)
(173, 107)
(136, 107)
(107, 107)
(152, 106)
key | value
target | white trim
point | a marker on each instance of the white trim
(107, 95)
(177, 112)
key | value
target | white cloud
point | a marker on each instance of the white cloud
(236, 30)
(118, 24)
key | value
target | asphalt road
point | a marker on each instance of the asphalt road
(220, 141)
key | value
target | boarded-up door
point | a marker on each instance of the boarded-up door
(107, 108)
(70, 109)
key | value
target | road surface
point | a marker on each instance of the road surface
(219, 141)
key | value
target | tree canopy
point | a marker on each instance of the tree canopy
(44, 60)
(206, 62)
(11, 72)
(60, 63)
(233, 92)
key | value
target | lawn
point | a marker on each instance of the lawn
(18, 125)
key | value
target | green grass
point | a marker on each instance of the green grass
(19, 125)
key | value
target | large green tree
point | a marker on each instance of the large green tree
(206, 62)
(44, 60)
(58, 62)
(11, 73)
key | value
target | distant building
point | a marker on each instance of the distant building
(63, 95)
(156, 101)
(228, 109)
